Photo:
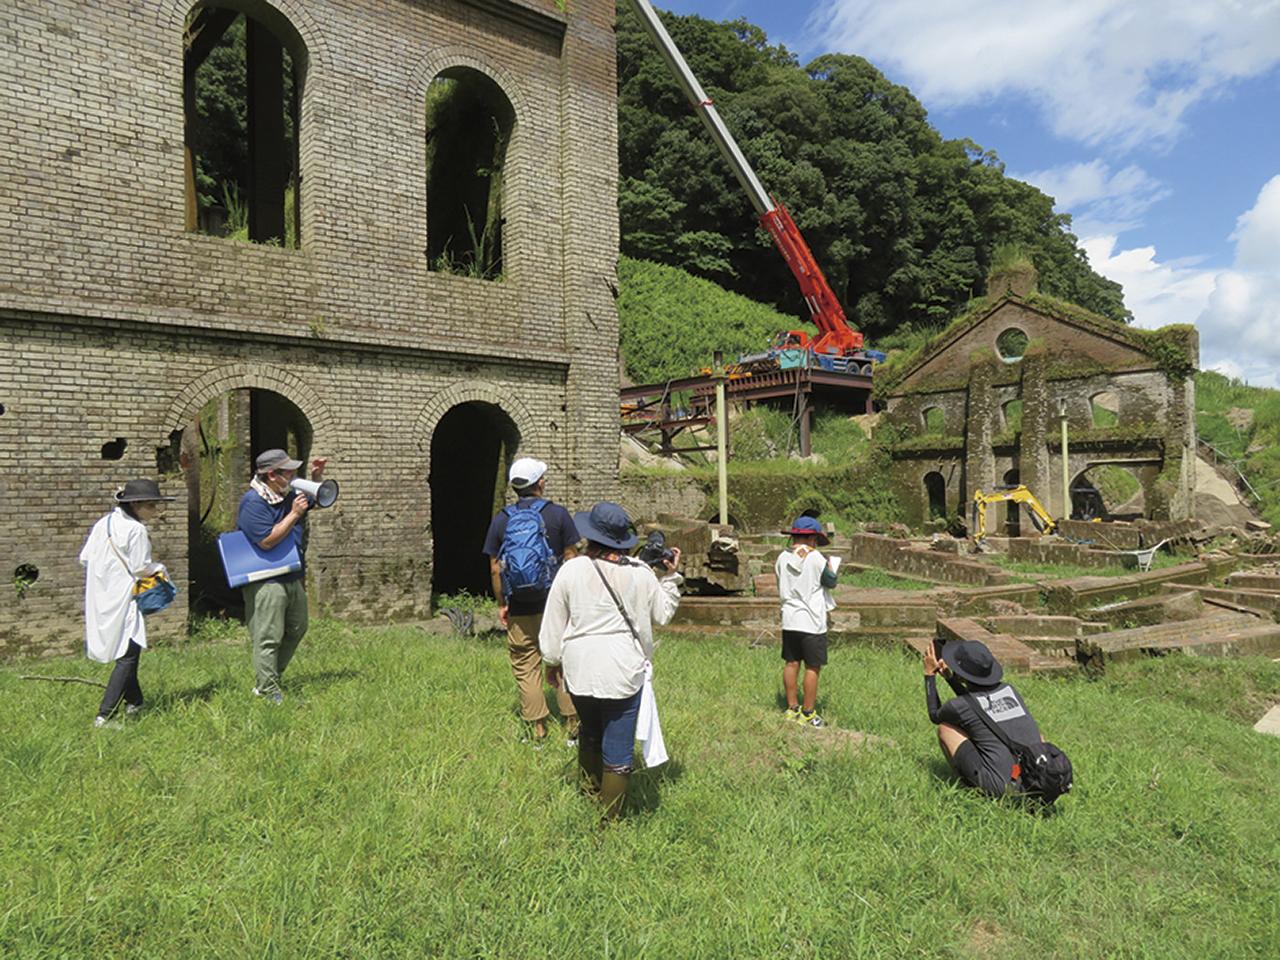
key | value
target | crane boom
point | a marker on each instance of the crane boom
(835, 335)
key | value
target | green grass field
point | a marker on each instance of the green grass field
(389, 809)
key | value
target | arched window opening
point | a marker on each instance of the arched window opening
(1011, 345)
(1108, 491)
(935, 488)
(242, 89)
(469, 127)
(1012, 412)
(1106, 409)
(935, 421)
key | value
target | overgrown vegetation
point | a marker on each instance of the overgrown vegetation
(367, 817)
(1244, 423)
(904, 223)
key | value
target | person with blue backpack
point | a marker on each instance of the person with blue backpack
(526, 543)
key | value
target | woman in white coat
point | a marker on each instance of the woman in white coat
(597, 628)
(116, 554)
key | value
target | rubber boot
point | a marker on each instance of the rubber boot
(590, 765)
(613, 793)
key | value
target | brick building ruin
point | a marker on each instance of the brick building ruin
(410, 272)
(981, 406)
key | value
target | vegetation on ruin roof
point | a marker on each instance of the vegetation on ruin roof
(671, 322)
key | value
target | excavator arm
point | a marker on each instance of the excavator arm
(1018, 495)
(835, 335)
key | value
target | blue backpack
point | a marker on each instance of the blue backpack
(528, 565)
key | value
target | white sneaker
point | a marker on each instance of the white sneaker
(133, 709)
(272, 696)
(106, 723)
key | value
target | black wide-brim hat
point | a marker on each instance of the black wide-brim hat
(971, 660)
(608, 524)
(141, 491)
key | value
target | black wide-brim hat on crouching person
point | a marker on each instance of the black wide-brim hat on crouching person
(607, 524)
(971, 661)
(140, 491)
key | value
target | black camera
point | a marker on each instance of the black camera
(655, 552)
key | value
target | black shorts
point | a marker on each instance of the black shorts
(975, 771)
(809, 647)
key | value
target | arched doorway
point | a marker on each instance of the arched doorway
(471, 450)
(217, 453)
(1106, 490)
(935, 488)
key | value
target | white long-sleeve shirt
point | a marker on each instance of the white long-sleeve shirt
(804, 601)
(583, 630)
(111, 618)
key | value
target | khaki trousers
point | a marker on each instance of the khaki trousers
(277, 616)
(526, 664)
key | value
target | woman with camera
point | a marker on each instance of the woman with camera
(116, 556)
(598, 630)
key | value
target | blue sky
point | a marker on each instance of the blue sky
(1154, 123)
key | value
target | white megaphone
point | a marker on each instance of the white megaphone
(322, 494)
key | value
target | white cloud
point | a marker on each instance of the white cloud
(1120, 73)
(1237, 311)
(1100, 202)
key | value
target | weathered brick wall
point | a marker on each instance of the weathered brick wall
(116, 322)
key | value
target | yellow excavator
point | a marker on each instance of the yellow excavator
(1018, 495)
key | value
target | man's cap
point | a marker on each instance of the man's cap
(971, 660)
(608, 524)
(276, 460)
(808, 527)
(526, 471)
(140, 491)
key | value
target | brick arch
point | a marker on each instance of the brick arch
(442, 58)
(173, 14)
(473, 391)
(257, 376)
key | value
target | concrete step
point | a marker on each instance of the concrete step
(1038, 662)
(1075, 595)
(1185, 604)
(1253, 599)
(1266, 582)
(888, 611)
(1262, 640)
(1140, 641)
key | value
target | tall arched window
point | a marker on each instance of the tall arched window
(242, 86)
(470, 122)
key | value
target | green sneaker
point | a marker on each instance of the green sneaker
(812, 719)
(792, 714)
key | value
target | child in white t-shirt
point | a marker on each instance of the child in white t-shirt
(805, 578)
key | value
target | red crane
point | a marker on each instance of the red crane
(836, 337)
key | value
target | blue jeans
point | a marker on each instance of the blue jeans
(612, 724)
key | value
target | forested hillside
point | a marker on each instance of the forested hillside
(904, 223)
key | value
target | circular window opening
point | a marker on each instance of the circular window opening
(1012, 345)
(24, 576)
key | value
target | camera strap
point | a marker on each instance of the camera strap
(617, 600)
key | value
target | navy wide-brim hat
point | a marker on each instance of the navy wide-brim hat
(607, 523)
(808, 527)
(971, 660)
(140, 491)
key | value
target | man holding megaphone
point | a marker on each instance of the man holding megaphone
(274, 508)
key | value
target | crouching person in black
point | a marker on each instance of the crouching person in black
(972, 743)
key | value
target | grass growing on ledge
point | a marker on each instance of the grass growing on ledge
(389, 809)
(876, 579)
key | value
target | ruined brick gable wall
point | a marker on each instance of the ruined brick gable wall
(115, 322)
(972, 386)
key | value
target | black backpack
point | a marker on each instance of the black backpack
(1043, 769)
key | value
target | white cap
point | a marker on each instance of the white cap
(526, 471)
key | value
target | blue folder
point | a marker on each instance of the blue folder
(246, 562)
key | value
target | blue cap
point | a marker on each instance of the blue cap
(808, 527)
